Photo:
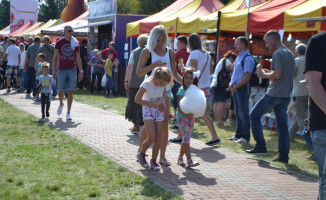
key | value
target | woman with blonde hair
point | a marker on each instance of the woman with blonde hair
(157, 54)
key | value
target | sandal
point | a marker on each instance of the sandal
(193, 164)
(164, 162)
(219, 123)
(180, 162)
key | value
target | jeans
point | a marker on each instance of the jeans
(23, 78)
(319, 143)
(306, 138)
(263, 106)
(115, 82)
(241, 111)
(175, 90)
(109, 83)
(54, 86)
(30, 79)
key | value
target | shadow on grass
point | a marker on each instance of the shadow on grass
(290, 169)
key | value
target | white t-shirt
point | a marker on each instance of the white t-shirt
(153, 93)
(22, 60)
(201, 59)
(218, 69)
(13, 53)
(165, 58)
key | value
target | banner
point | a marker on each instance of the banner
(22, 12)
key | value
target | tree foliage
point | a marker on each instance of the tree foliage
(50, 9)
(4, 13)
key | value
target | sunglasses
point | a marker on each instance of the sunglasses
(69, 31)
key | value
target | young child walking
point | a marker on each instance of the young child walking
(38, 68)
(186, 121)
(45, 85)
(97, 70)
(108, 74)
(152, 96)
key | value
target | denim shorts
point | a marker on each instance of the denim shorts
(67, 79)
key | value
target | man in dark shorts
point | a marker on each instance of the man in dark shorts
(68, 50)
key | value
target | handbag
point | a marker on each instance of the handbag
(103, 81)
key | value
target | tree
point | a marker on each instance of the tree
(149, 7)
(4, 13)
(128, 7)
(49, 9)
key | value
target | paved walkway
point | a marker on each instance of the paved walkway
(221, 175)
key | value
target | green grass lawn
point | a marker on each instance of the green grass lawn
(39, 162)
(299, 150)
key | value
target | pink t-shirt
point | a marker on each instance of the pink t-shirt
(67, 55)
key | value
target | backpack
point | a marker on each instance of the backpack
(223, 78)
(254, 81)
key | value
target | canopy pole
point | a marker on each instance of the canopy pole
(217, 36)
(247, 24)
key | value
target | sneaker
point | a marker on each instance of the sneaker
(312, 157)
(68, 116)
(278, 159)
(47, 114)
(257, 151)
(211, 143)
(59, 111)
(234, 139)
(142, 160)
(241, 141)
(43, 116)
(230, 120)
(111, 95)
(37, 99)
(8, 90)
(175, 126)
(154, 165)
(18, 90)
(175, 140)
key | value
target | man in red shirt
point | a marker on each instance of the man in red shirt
(67, 49)
(21, 40)
(107, 50)
(180, 55)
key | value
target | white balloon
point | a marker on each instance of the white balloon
(193, 102)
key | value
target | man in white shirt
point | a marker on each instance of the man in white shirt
(13, 56)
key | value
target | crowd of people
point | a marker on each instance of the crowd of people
(157, 76)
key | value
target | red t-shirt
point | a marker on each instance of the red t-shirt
(182, 53)
(66, 54)
(17, 43)
(107, 50)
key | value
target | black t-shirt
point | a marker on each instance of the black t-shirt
(83, 53)
(316, 61)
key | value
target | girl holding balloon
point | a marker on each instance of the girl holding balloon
(186, 119)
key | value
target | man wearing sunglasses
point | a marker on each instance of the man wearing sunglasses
(66, 74)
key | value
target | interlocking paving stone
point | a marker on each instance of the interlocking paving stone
(222, 174)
